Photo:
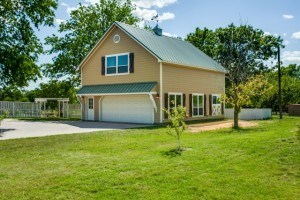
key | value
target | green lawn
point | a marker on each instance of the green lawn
(254, 163)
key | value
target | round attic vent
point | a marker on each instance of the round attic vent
(117, 38)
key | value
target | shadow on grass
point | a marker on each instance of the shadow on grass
(246, 130)
(172, 153)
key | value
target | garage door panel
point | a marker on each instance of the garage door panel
(127, 108)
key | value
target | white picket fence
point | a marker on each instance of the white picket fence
(75, 111)
(31, 109)
(20, 109)
(250, 113)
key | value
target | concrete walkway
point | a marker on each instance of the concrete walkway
(12, 129)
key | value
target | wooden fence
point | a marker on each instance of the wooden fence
(250, 113)
(30, 109)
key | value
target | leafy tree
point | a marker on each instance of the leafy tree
(290, 82)
(176, 116)
(54, 89)
(252, 93)
(19, 46)
(81, 32)
(242, 50)
(12, 93)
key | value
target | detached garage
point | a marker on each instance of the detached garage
(130, 102)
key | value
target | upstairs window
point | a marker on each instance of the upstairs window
(117, 64)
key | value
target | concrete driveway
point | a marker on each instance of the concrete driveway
(12, 129)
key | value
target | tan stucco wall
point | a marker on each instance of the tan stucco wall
(189, 80)
(146, 67)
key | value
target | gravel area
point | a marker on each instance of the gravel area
(194, 128)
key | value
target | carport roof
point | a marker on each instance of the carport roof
(122, 88)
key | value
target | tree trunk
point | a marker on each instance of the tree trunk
(178, 141)
(236, 109)
(236, 117)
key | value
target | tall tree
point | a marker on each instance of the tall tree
(81, 32)
(19, 46)
(290, 81)
(242, 50)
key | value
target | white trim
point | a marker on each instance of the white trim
(160, 92)
(104, 94)
(99, 115)
(96, 45)
(87, 107)
(117, 62)
(203, 106)
(153, 102)
(174, 93)
(212, 99)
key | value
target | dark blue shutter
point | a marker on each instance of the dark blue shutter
(131, 62)
(103, 65)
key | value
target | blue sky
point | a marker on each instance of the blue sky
(180, 17)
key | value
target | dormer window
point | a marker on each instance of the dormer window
(117, 64)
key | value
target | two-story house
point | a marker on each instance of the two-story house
(132, 74)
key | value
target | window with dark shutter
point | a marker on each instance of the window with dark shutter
(131, 62)
(103, 65)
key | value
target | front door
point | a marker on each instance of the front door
(90, 109)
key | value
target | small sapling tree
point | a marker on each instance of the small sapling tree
(177, 125)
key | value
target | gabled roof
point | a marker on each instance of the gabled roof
(123, 88)
(168, 49)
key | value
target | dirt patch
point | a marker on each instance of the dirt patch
(218, 125)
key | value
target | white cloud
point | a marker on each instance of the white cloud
(296, 35)
(70, 9)
(153, 3)
(65, 4)
(291, 57)
(169, 34)
(92, 1)
(166, 16)
(147, 14)
(144, 14)
(284, 34)
(59, 21)
(288, 16)
(267, 33)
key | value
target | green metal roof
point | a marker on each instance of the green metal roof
(117, 88)
(171, 50)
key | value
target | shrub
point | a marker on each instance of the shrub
(176, 116)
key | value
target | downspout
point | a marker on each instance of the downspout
(160, 91)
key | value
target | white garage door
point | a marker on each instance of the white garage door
(127, 108)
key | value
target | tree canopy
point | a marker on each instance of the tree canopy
(19, 46)
(81, 32)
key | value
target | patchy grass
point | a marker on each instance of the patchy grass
(253, 163)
